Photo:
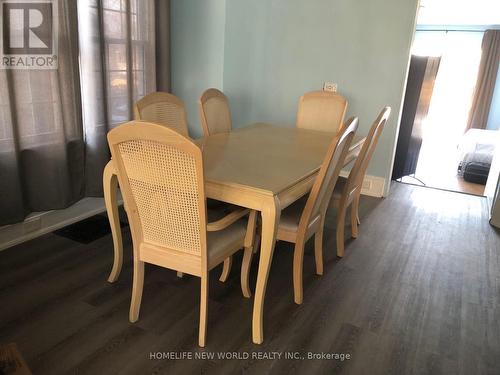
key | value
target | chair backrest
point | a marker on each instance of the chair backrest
(162, 108)
(321, 110)
(161, 179)
(215, 115)
(329, 172)
(358, 171)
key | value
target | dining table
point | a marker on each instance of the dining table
(261, 166)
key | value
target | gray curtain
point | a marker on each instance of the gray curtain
(419, 87)
(485, 86)
(41, 139)
(53, 124)
(117, 65)
(162, 34)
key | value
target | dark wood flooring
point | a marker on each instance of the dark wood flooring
(417, 293)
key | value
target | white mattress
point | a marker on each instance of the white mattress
(477, 146)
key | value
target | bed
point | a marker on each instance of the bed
(476, 154)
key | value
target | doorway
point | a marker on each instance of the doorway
(435, 146)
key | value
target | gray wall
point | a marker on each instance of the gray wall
(276, 50)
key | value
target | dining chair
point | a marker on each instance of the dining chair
(165, 109)
(321, 110)
(215, 118)
(348, 190)
(162, 108)
(215, 115)
(306, 217)
(162, 181)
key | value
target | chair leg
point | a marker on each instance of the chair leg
(356, 202)
(256, 245)
(203, 311)
(298, 264)
(318, 247)
(245, 272)
(110, 187)
(226, 269)
(137, 286)
(258, 232)
(249, 244)
(340, 230)
(354, 219)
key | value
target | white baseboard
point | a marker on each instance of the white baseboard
(373, 186)
(40, 223)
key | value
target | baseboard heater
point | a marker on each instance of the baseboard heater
(40, 223)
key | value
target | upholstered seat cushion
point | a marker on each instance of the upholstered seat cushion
(290, 219)
(339, 188)
(290, 216)
(218, 242)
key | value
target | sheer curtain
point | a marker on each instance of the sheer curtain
(487, 76)
(117, 66)
(41, 140)
(446, 121)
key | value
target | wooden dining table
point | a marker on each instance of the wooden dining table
(262, 167)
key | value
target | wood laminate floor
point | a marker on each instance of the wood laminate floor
(451, 183)
(417, 293)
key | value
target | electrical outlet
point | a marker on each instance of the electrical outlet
(330, 86)
(367, 185)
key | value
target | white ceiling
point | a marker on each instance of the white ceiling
(459, 12)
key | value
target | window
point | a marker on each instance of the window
(31, 103)
(114, 61)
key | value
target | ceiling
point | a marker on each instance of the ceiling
(459, 12)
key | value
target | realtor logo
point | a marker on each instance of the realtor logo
(28, 34)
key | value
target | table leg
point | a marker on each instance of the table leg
(110, 186)
(270, 220)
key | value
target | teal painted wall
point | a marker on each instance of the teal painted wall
(275, 50)
(197, 52)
